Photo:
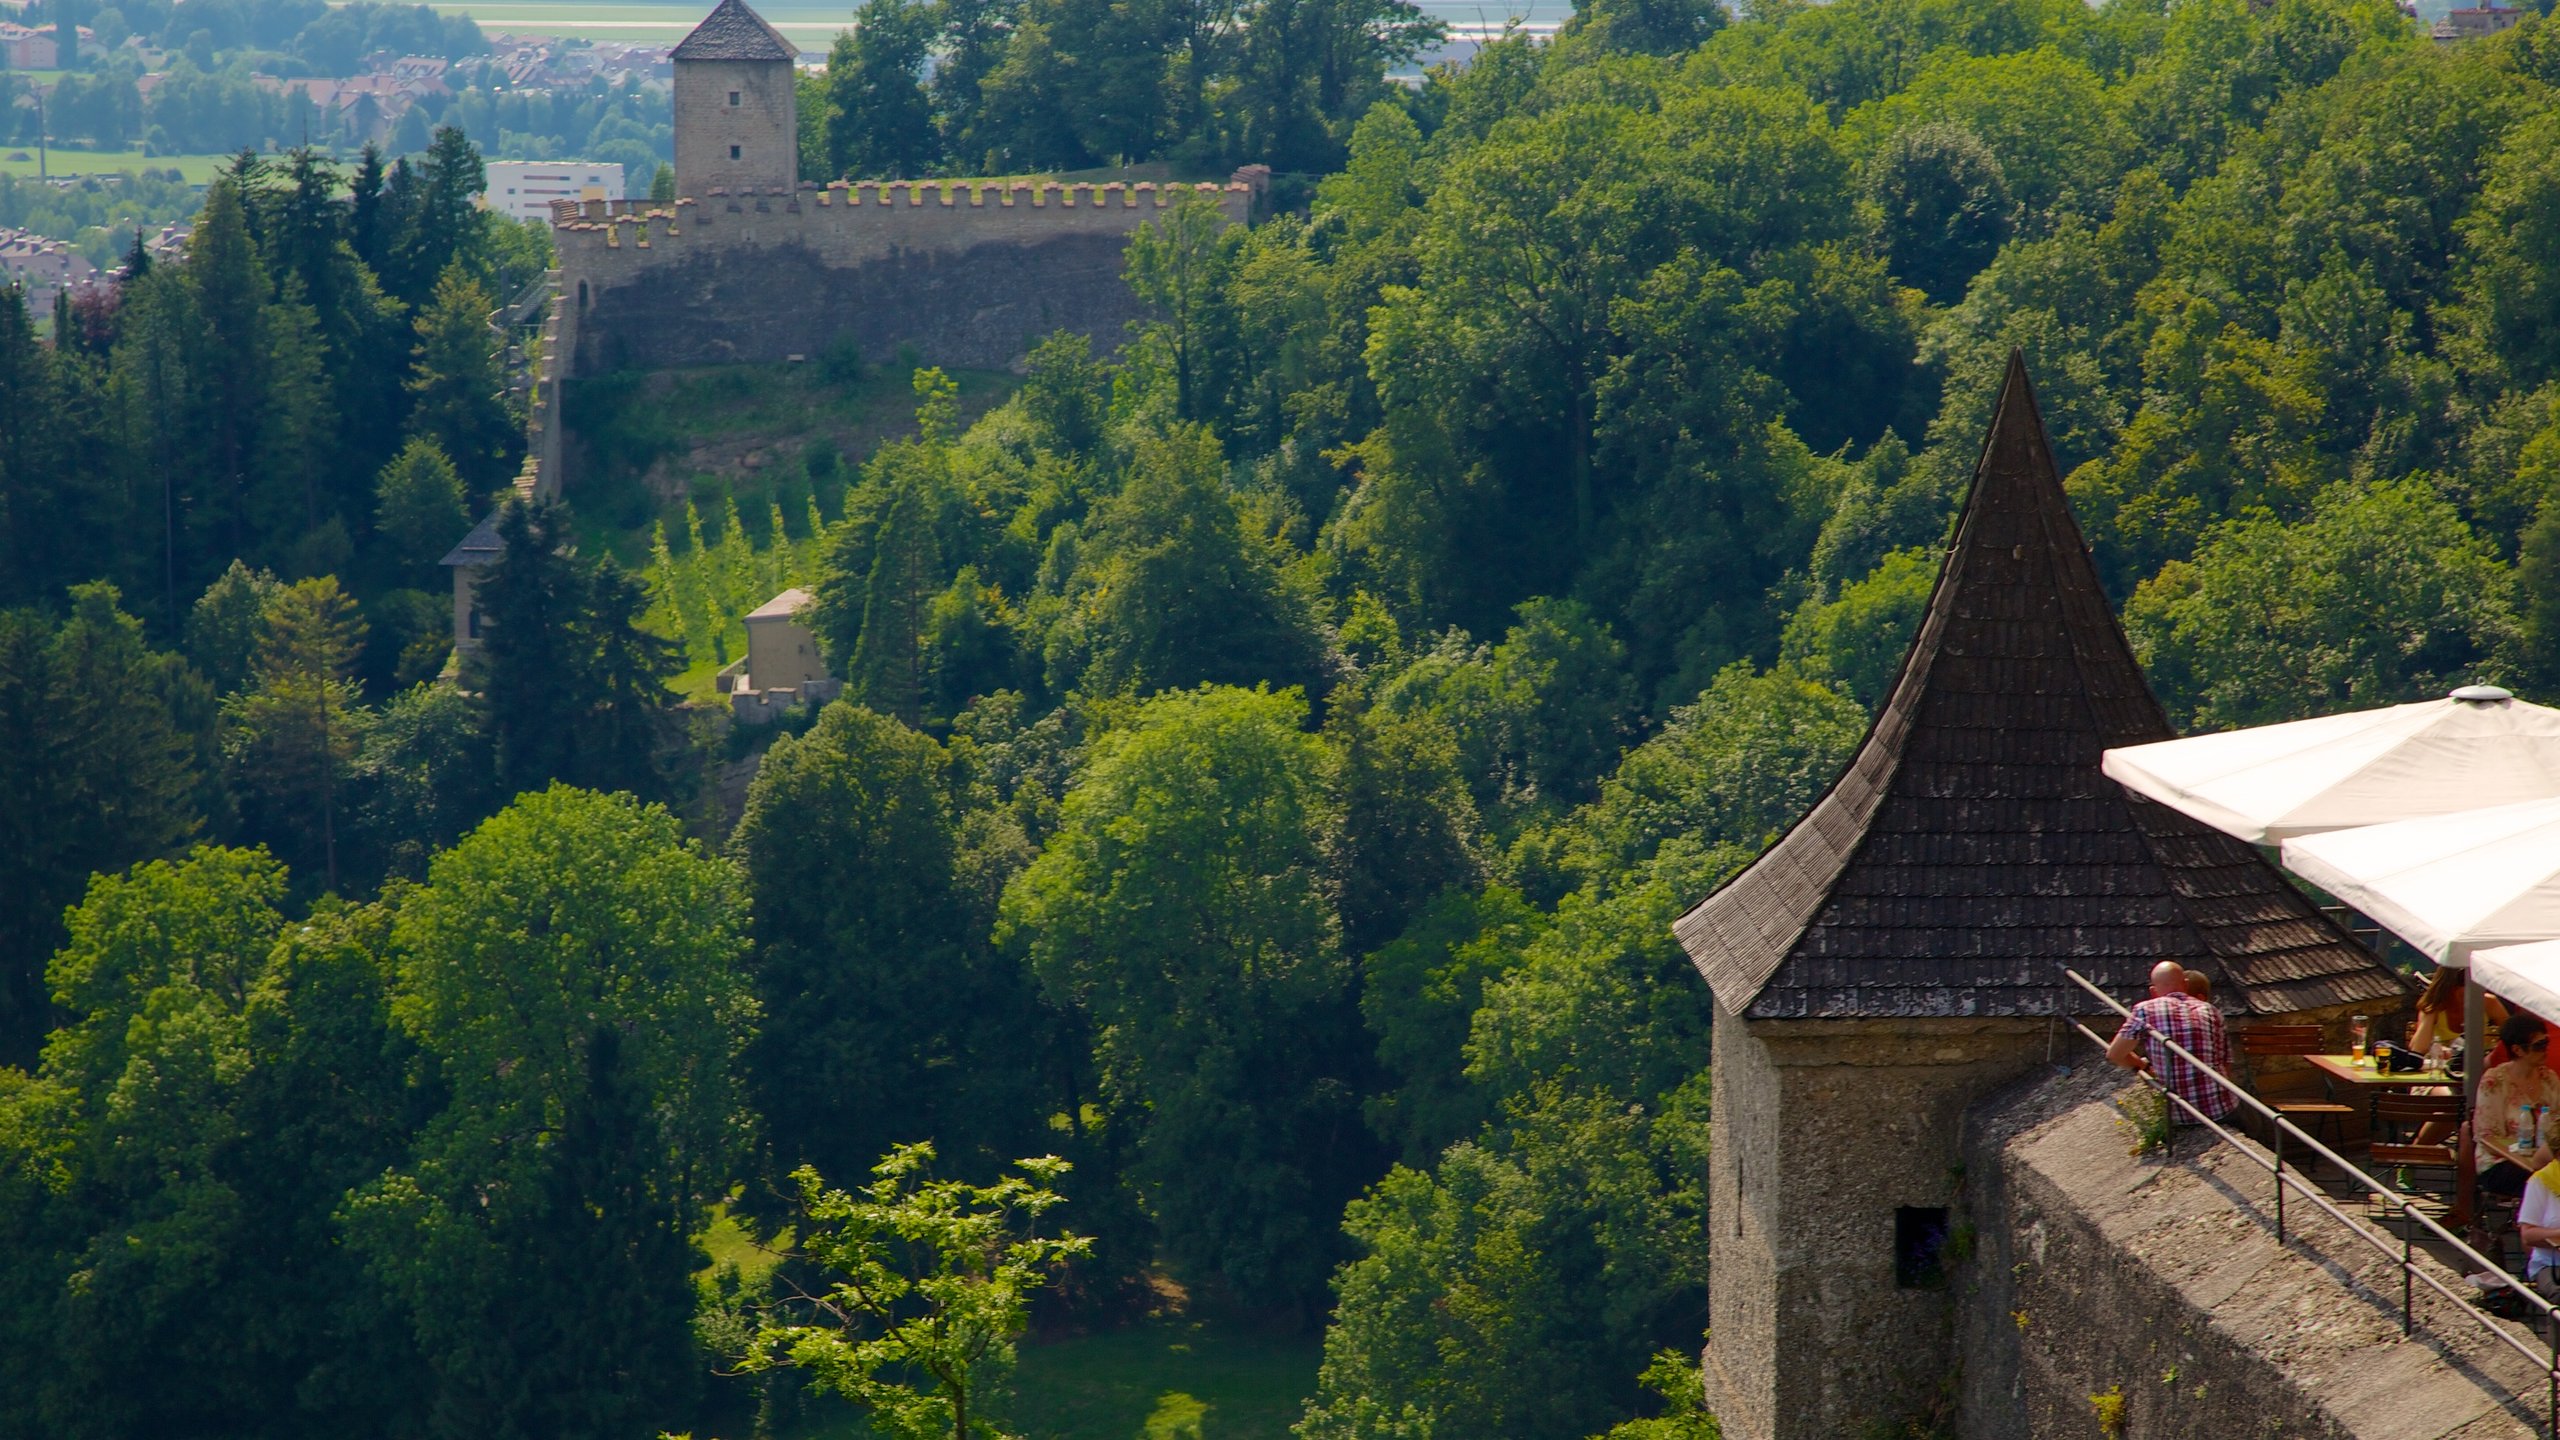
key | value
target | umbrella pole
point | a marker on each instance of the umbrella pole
(2475, 1019)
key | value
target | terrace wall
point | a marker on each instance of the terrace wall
(2094, 1271)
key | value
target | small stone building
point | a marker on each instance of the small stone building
(1898, 956)
(479, 548)
(782, 666)
(736, 116)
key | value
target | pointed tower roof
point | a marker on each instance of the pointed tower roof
(1973, 848)
(733, 32)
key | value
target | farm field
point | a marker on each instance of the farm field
(198, 169)
(813, 26)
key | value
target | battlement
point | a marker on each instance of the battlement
(983, 210)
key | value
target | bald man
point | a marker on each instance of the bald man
(2173, 1015)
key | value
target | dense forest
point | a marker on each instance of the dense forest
(1273, 752)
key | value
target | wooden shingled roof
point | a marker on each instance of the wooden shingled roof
(733, 32)
(1972, 848)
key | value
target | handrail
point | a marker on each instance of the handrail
(2410, 1274)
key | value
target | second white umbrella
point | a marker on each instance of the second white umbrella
(2447, 884)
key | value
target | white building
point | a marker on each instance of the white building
(781, 667)
(525, 188)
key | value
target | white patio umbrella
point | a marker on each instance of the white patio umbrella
(2450, 885)
(2527, 974)
(2271, 783)
(2447, 884)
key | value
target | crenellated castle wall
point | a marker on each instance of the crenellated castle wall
(967, 273)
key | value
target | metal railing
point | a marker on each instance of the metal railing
(2410, 1216)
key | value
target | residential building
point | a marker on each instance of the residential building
(525, 189)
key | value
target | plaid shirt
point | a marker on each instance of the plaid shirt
(2196, 1025)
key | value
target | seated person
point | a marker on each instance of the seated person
(2200, 985)
(2538, 1226)
(2439, 1019)
(2523, 1080)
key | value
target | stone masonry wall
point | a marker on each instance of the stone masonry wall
(1823, 1130)
(969, 274)
(2094, 1272)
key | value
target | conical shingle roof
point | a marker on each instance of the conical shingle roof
(1973, 848)
(733, 32)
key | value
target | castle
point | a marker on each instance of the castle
(1897, 959)
(752, 264)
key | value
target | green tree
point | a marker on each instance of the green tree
(2381, 595)
(879, 120)
(1507, 1291)
(1645, 27)
(421, 781)
(571, 971)
(222, 628)
(292, 734)
(928, 1284)
(1946, 206)
(97, 771)
(456, 394)
(572, 687)
(218, 1085)
(1169, 591)
(888, 1020)
(888, 671)
(1858, 640)
(418, 503)
(1181, 908)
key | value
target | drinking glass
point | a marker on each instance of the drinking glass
(2357, 1027)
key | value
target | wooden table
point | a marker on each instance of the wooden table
(2342, 1069)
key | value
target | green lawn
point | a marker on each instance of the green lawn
(1168, 1379)
(1161, 1380)
(197, 168)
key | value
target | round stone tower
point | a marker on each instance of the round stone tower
(737, 128)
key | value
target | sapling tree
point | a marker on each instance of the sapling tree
(928, 1282)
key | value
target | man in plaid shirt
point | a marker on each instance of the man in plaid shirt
(2173, 1014)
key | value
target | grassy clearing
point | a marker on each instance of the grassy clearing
(728, 1243)
(1165, 1379)
(765, 435)
(199, 169)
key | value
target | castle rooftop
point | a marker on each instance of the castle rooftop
(1973, 847)
(733, 32)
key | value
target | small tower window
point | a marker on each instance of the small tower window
(733, 97)
(1919, 1240)
(733, 152)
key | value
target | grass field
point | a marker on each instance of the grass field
(1163, 1379)
(813, 26)
(197, 168)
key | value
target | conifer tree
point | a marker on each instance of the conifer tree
(418, 503)
(230, 285)
(529, 603)
(455, 386)
(292, 736)
(906, 573)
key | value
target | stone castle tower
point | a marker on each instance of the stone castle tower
(737, 126)
(1898, 955)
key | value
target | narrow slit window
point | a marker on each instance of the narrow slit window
(733, 97)
(1919, 1243)
(733, 152)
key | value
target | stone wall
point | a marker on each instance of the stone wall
(967, 273)
(2159, 1279)
(1824, 1130)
